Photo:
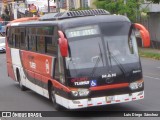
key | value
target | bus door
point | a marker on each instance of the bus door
(60, 73)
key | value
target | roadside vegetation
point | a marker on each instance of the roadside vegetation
(149, 53)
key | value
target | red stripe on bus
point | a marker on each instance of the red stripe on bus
(80, 105)
(99, 103)
(60, 86)
(90, 104)
(109, 102)
(107, 87)
(117, 100)
(127, 99)
(134, 98)
(141, 96)
(24, 19)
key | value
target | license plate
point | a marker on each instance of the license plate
(110, 98)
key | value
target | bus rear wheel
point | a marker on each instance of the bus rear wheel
(22, 87)
(53, 99)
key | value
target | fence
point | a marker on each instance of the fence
(152, 23)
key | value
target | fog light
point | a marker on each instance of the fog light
(80, 92)
(83, 92)
(136, 85)
(74, 93)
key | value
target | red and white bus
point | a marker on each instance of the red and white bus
(78, 58)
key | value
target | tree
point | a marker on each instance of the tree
(131, 7)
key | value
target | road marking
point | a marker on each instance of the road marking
(152, 74)
(152, 77)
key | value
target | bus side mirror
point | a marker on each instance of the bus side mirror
(144, 34)
(63, 44)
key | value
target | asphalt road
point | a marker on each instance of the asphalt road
(13, 99)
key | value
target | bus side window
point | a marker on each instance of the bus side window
(10, 39)
(31, 39)
(40, 40)
(14, 39)
(32, 42)
(41, 44)
(22, 39)
(7, 32)
(17, 41)
(51, 45)
(17, 37)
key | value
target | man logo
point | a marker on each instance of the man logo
(109, 77)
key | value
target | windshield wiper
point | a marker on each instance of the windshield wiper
(109, 54)
(95, 66)
(101, 54)
(71, 61)
(119, 64)
(97, 62)
(115, 59)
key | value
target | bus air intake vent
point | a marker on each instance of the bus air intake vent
(73, 14)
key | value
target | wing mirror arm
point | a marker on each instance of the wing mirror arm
(144, 34)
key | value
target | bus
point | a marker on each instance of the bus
(77, 59)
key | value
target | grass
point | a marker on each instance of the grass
(149, 53)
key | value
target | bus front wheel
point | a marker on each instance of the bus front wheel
(53, 98)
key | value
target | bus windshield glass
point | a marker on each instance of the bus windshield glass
(101, 45)
(120, 42)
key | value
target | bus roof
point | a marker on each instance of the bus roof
(65, 22)
(72, 14)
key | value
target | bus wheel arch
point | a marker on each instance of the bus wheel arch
(51, 91)
(22, 87)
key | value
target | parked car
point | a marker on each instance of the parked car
(2, 44)
(3, 27)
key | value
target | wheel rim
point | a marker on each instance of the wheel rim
(53, 95)
(20, 83)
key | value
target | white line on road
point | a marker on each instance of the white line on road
(152, 77)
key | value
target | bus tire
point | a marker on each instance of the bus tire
(22, 87)
(53, 99)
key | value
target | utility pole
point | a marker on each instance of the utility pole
(57, 6)
(48, 7)
(125, 2)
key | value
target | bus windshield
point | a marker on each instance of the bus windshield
(98, 46)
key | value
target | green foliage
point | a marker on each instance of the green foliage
(154, 1)
(72, 9)
(131, 8)
(149, 53)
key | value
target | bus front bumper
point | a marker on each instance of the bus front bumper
(98, 101)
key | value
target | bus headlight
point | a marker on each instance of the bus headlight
(136, 85)
(80, 92)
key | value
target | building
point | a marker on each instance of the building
(1, 7)
(151, 20)
(75, 4)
